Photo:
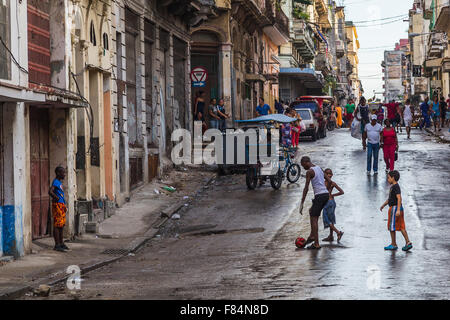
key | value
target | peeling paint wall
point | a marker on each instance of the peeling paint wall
(163, 104)
(14, 179)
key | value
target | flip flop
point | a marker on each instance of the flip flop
(340, 236)
(407, 247)
(313, 247)
(390, 247)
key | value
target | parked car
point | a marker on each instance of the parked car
(317, 113)
(312, 126)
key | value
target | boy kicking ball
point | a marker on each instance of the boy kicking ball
(396, 221)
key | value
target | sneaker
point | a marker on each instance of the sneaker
(368, 173)
(390, 247)
(65, 247)
(407, 247)
(59, 248)
(375, 172)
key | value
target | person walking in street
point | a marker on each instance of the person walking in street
(396, 215)
(393, 113)
(262, 109)
(59, 209)
(447, 114)
(436, 113)
(443, 110)
(223, 115)
(425, 109)
(389, 143)
(362, 115)
(316, 177)
(380, 114)
(349, 110)
(329, 216)
(338, 112)
(295, 132)
(372, 133)
(214, 118)
(408, 115)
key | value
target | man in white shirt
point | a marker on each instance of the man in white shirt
(372, 133)
(408, 117)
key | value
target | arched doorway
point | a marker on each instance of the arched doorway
(205, 53)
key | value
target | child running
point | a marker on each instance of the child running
(58, 209)
(396, 220)
(329, 217)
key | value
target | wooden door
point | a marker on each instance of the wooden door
(40, 171)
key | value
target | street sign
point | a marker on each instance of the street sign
(199, 75)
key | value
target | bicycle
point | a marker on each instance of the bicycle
(291, 169)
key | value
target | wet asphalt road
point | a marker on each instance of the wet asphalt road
(239, 244)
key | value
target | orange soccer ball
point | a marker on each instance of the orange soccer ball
(300, 243)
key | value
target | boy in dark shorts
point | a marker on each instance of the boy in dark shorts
(396, 221)
(329, 217)
(59, 209)
(316, 177)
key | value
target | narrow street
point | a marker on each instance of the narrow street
(239, 244)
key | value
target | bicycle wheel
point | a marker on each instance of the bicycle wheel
(251, 178)
(293, 173)
(277, 180)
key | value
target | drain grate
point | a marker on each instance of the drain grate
(115, 251)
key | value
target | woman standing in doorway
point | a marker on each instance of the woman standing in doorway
(199, 109)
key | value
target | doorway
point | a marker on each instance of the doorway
(40, 172)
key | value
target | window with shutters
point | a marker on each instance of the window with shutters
(131, 47)
(93, 37)
(5, 59)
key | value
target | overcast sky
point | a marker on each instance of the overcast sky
(380, 33)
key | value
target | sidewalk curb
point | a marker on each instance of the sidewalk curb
(444, 140)
(132, 247)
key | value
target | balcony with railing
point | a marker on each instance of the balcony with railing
(321, 6)
(324, 14)
(324, 62)
(303, 40)
(437, 43)
(443, 16)
(340, 48)
(278, 27)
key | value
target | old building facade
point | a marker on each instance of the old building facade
(98, 87)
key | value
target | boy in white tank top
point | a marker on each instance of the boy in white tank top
(316, 177)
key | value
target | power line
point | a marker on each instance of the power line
(12, 56)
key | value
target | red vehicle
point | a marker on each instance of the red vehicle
(315, 104)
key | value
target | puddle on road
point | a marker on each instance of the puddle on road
(217, 232)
